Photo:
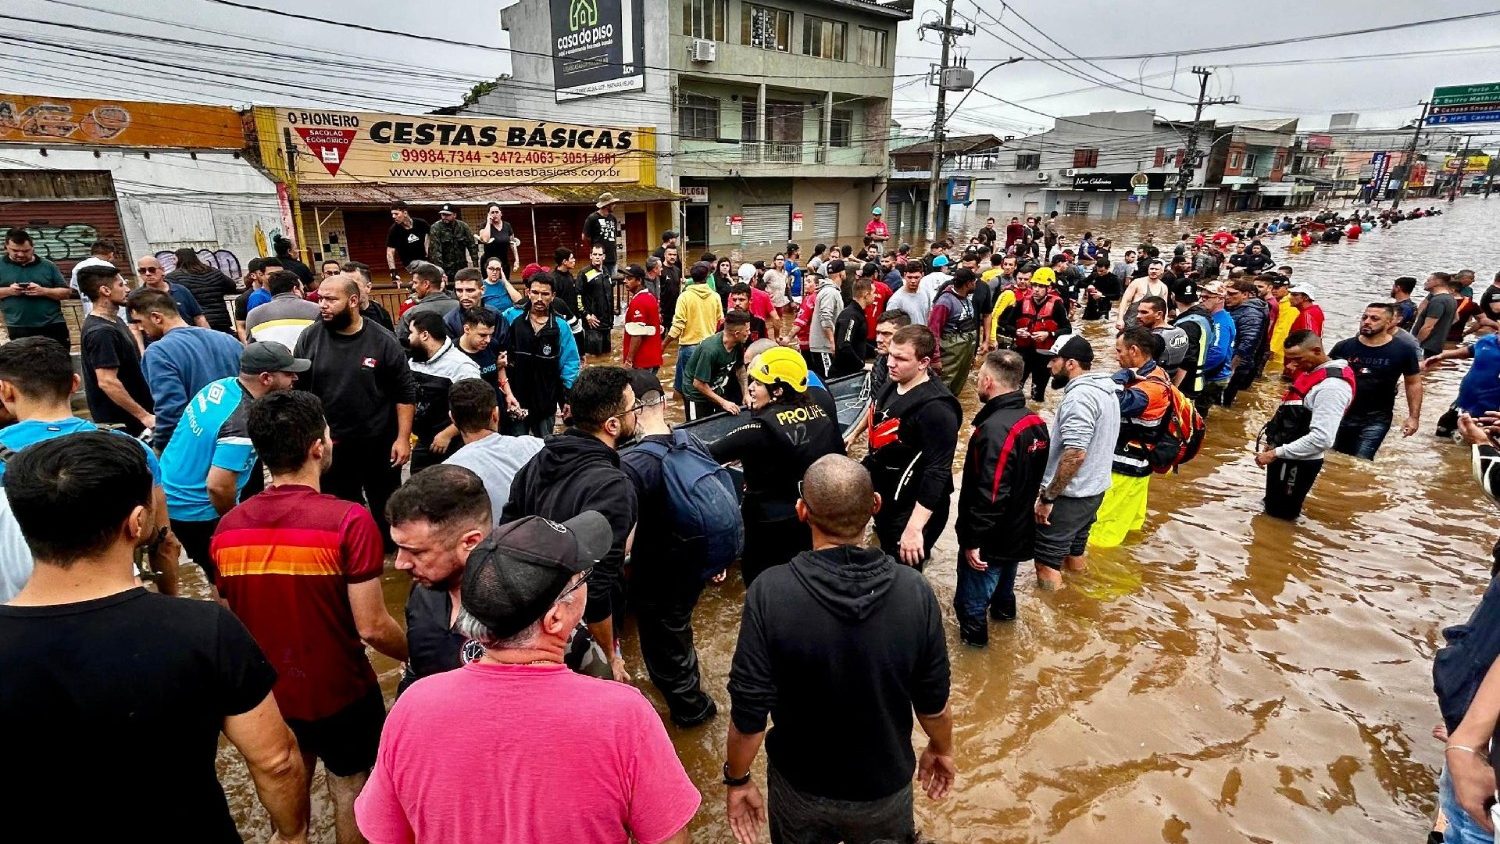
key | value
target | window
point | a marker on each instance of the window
(698, 118)
(769, 29)
(1237, 159)
(872, 46)
(705, 18)
(1028, 161)
(1251, 159)
(840, 128)
(1085, 157)
(1080, 206)
(1161, 157)
(823, 39)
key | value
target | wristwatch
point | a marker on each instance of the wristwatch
(1046, 500)
(735, 782)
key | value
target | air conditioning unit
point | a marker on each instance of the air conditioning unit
(703, 50)
(1042, 177)
(1066, 172)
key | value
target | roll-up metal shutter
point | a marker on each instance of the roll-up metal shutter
(766, 225)
(826, 220)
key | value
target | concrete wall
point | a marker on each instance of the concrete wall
(223, 206)
(727, 197)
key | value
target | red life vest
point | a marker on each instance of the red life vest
(1035, 318)
(1292, 420)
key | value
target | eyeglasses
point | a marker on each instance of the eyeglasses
(588, 573)
(148, 270)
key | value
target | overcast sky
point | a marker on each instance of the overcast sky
(238, 56)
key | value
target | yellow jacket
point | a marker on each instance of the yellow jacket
(1286, 314)
(1006, 301)
(698, 313)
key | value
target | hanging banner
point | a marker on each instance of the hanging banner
(357, 147)
(598, 47)
(117, 123)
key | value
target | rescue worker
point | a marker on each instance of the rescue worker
(913, 428)
(1041, 318)
(1145, 402)
(955, 322)
(786, 432)
(452, 242)
(1305, 425)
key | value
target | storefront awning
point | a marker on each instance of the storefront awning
(384, 195)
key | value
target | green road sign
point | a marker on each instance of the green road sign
(1466, 94)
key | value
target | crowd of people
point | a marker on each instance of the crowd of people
(287, 435)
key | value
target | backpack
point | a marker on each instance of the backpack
(1175, 345)
(706, 527)
(1182, 436)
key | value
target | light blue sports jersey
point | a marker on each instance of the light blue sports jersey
(212, 433)
(32, 431)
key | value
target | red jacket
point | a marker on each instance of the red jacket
(1309, 318)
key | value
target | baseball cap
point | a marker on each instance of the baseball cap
(1305, 289)
(747, 271)
(644, 382)
(940, 261)
(1213, 288)
(521, 568)
(1071, 346)
(635, 270)
(833, 267)
(447, 209)
(875, 211)
(531, 270)
(270, 356)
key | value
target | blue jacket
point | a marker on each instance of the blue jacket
(1221, 349)
(1250, 318)
(182, 362)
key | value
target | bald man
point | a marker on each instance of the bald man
(841, 646)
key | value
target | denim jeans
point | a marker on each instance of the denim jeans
(1461, 828)
(1361, 435)
(684, 360)
(994, 587)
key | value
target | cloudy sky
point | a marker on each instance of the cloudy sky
(205, 51)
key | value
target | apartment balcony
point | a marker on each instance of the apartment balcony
(780, 159)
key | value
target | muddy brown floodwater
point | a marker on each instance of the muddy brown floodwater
(1222, 676)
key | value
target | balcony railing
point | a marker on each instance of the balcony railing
(794, 152)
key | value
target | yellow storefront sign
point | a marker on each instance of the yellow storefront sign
(65, 120)
(1477, 163)
(356, 147)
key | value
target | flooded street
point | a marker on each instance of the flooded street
(1223, 676)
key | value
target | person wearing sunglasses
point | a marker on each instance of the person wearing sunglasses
(149, 271)
(573, 759)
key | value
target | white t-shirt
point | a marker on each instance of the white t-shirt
(931, 283)
(496, 460)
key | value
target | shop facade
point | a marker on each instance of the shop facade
(344, 170)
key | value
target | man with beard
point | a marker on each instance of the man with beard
(436, 364)
(543, 359)
(368, 393)
(913, 425)
(1379, 361)
(1040, 319)
(955, 320)
(1252, 320)
(1102, 291)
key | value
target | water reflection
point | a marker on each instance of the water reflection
(1222, 676)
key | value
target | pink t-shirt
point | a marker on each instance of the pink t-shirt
(524, 754)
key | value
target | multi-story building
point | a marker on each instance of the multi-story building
(1248, 161)
(774, 115)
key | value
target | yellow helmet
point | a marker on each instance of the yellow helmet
(781, 364)
(1044, 276)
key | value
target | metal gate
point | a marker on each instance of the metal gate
(65, 212)
(766, 225)
(826, 221)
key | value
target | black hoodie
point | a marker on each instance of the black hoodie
(575, 472)
(838, 647)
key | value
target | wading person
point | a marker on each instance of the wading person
(523, 592)
(913, 427)
(955, 322)
(840, 649)
(1002, 473)
(1305, 424)
(787, 432)
(1145, 410)
(710, 385)
(697, 313)
(302, 570)
(1041, 318)
(543, 360)
(1252, 321)
(1081, 451)
(1380, 362)
(494, 457)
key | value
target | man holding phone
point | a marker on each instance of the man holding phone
(31, 290)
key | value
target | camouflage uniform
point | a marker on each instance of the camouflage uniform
(452, 243)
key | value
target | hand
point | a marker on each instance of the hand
(1473, 784)
(29, 289)
(913, 548)
(1264, 458)
(148, 421)
(440, 442)
(1472, 432)
(512, 404)
(1043, 512)
(971, 556)
(729, 407)
(1434, 362)
(400, 451)
(936, 772)
(592, 321)
(720, 577)
(1410, 426)
(747, 812)
(617, 668)
(502, 360)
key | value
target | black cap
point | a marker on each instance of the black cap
(447, 209)
(962, 276)
(519, 570)
(700, 271)
(270, 356)
(636, 270)
(644, 382)
(833, 267)
(1071, 346)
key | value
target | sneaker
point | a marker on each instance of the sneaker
(694, 720)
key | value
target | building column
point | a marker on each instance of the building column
(827, 125)
(760, 123)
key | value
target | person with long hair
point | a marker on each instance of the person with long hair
(208, 285)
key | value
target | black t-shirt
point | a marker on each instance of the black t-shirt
(410, 244)
(107, 344)
(603, 230)
(1378, 371)
(498, 247)
(134, 687)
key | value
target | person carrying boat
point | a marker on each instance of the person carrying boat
(787, 431)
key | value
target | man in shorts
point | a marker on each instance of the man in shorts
(1078, 461)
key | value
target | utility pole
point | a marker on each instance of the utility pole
(949, 33)
(1185, 166)
(1463, 165)
(1411, 156)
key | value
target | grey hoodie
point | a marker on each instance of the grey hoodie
(1088, 418)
